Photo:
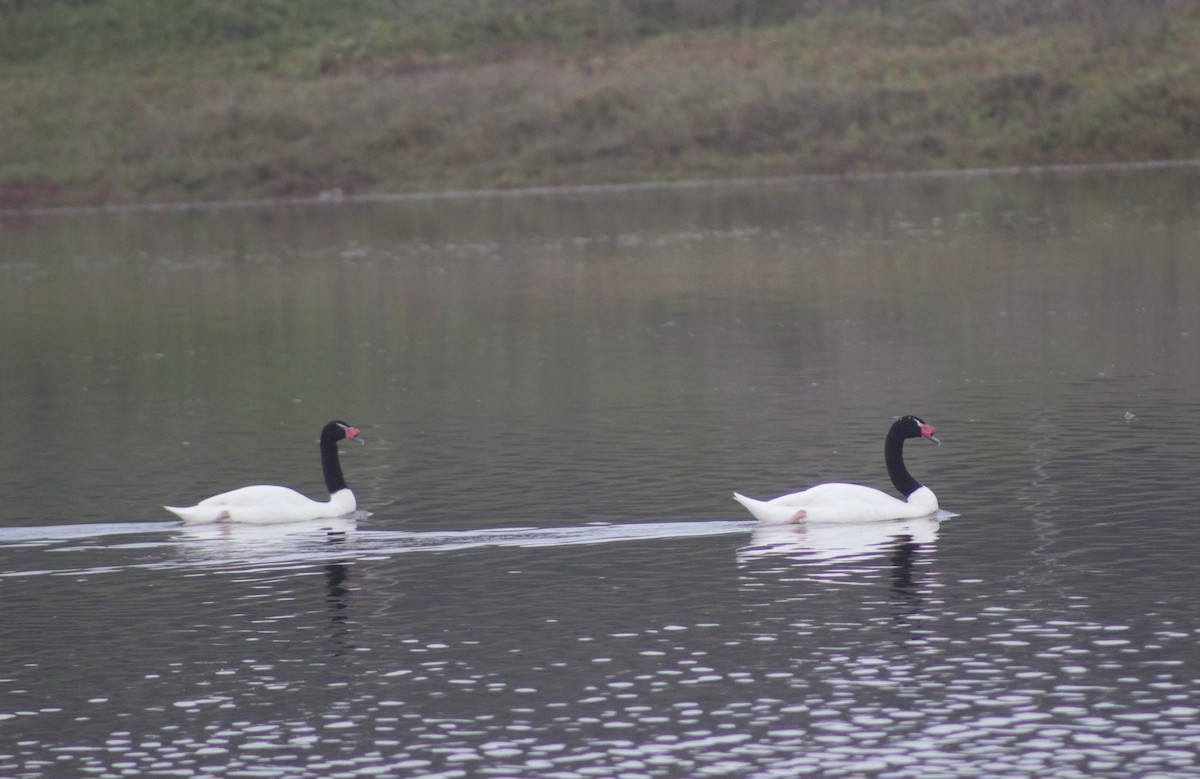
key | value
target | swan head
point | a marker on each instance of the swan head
(337, 430)
(915, 427)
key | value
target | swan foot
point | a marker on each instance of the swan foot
(795, 519)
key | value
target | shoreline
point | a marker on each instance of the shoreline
(328, 199)
(448, 98)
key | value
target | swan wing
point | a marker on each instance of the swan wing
(257, 495)
(835, 494)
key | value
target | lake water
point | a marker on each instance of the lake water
(559, 392)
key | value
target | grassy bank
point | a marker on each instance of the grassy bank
(112, 101)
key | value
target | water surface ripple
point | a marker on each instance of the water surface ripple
(782, 651)
(548, 578)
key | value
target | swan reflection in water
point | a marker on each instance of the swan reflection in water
(339, 589)
(319, 544)
(260, 537)
(845, 554)
(812, 542)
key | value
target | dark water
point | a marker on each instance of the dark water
(559, 392)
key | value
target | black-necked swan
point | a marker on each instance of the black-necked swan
(839, 502)
(268, 503)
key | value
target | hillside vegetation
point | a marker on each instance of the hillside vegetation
(123, 101)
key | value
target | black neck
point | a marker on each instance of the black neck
(893, 455)
(331, 465)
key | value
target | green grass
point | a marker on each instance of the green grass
(122, 101)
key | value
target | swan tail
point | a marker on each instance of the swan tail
(770, 513)
(199, 515)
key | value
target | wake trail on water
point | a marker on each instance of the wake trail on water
(109, 547)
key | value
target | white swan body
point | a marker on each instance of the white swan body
(265, 503)
(839, 502)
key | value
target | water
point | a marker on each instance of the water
(559, 392)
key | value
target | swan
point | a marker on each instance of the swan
(264, 503)
(837, 502)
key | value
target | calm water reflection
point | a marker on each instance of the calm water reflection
(559, 393)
